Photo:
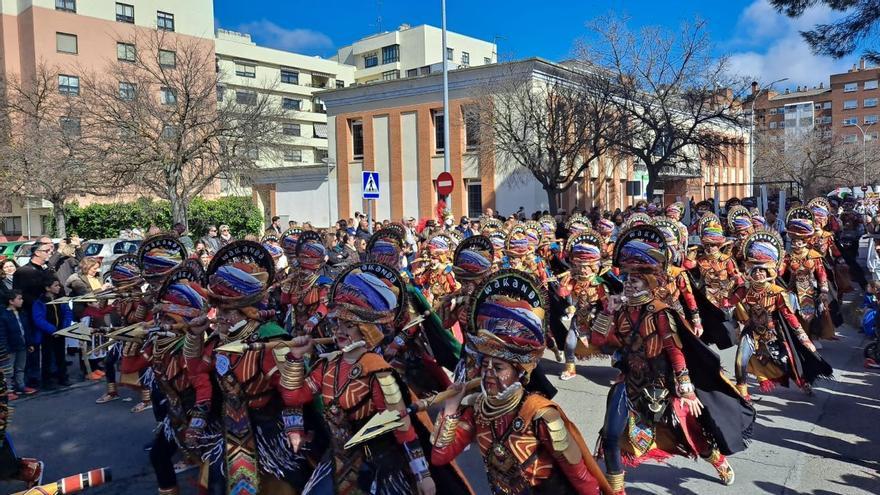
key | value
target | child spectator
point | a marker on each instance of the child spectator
(48, 319)
(14, 332)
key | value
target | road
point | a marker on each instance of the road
(820, 445)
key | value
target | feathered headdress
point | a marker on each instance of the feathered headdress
(239, 275)
(159, 255)
(473, 258)
(641, 249)
(310, 251)
(371, 296)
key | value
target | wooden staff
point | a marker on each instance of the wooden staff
(71, 484)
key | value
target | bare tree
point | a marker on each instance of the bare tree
(816, 160)
(675, 103)
(43, 152)
(548, 127)
(168, 123)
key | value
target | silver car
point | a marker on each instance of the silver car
(107, 250)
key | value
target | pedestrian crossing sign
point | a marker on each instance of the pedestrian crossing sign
(370, 188)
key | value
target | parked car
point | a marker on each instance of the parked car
(107, 250)
(23, 253)
(8, 249)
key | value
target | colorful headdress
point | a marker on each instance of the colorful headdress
(508, 313)
(764, 249)
(641, 249)
(820, 208)
(584, 249)
(739, 220)
(386, 246)
(675, 210)
(671, 233)
(440, 245)
(490, 224)
(605, 227)
(310, 251)
(159, 255)
(759, 222)
(125, 272)
(239, 275)
(270, 242)
(704, 206)
(577, 224)
(499, 240)
(517, 244)
(371, 296)
(636, 219)
(289, 240)
(182, 296)
(548, 226)
(473, 258)
(711, 231)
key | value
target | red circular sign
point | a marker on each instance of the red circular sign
(445, 184)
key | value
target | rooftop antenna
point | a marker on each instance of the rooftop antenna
(379, 15)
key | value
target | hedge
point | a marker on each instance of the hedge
(98, 221)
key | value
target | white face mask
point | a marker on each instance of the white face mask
(448, 222)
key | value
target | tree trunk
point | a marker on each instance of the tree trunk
(60, 220)
(178, 209)
(652, 182)
(552, 192)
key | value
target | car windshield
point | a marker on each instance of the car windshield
(24, 249)
(126, 247)
(92, 249)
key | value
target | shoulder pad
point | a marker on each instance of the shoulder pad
(324, 280)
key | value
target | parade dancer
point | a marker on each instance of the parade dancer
(824, 243)
(584, 290)
(773, 346)
(304, 295)
(260, 425)
(672, 398)
(676, 291)
(739, 226)
(718, 273)
(191, 428)
(437, 279)
(355, 384)
(527, 442)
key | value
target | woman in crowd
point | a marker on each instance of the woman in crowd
(86, 281)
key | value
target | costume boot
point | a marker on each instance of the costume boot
(616, 482)
(169, 491)
(30, 471)
(569, 372)
(719, 462)
(112, 394)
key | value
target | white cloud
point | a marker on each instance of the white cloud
(771, 47)
(294, 40)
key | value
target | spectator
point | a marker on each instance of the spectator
(48, 319)
(520, 214)
(363, 230)
(86, 281)
(361, 247)
(291, 224)
(66, 262)
(462, 228)
(185, 239)
(307, 226)
(211, 241)
(349, 251)
(490, 213)
(275, 227)
(153, 230)
(412, 238)
(225, 236)
(204, 257)
(9, 267)
(474, 230)
(14, 332)
(29, 278)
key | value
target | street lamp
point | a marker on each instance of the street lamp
(752, 130)
(330, 164)
(864, 152)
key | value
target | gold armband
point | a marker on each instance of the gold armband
(292, 374)
(390, 389)
(445, 432)
(601, 324)
(192, 346)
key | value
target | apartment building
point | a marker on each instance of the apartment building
(396, 128)
(292, 81)
(793, 113)
(73, 35)
(413, 51)
(855, 99)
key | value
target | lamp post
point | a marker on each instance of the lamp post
(864, 152)
(330, 164)
(752, 131)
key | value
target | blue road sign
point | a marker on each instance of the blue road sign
(370, 189)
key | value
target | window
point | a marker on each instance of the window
(790, 109)
(357, 138)
(340, 84)
(782, 125)
(871, 119)
(850, 87)
(169, 132)
(826, 120)
(871, 84)
(11, 225)
(168, 96)
(321, 155)
(167, 58)
(66, 43)
(487, 60)
(475, 199)
(125, 52)
(390, 75)
(850, 104)
(439, 141)
(220, 92)
(126, 247)
(252, 153)
(465, 58)
(293, 155)
(318, 106)
(390, 54)
(289, 76)
(165, 21)
(320, 130)
(246, 97)
(450, 54)
(243, 69)
(425, 70)
(291, 104)
(370, 60)
(817, 106)
(871, 136)
(772, 111)
(70, 126)
(870, 102)
(126, 91)
(850, 139)
(289, 129)
(826, 105)
(773, 125)
(66, 5)
(412, 72)
(850, 121)
(806, 122)
(68, 85)
(471, 128)
(125, 13)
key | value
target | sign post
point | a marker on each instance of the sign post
(370, 192)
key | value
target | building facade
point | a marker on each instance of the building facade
(413, 51)
(74, 35)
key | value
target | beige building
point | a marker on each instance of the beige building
(292, 81)
(413, 51)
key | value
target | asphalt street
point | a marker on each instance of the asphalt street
(820, 445)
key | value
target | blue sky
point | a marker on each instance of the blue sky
(761, 43)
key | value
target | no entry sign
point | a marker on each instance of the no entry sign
(445, 184)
